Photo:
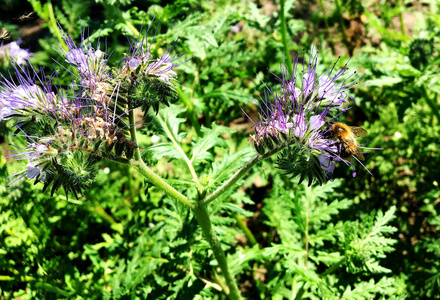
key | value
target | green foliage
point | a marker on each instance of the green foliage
(353, 238)
(315, 242)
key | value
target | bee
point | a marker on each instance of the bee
(345, 139)
(4, 35)
(26, 17)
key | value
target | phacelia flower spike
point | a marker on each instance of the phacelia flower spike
(68, 129)
(298, 119)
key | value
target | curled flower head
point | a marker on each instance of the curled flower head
(297, 117)
(141, 62)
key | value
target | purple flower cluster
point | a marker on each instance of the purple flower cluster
(24, 96)
(300, 111)
(86, 117)
(13, 53)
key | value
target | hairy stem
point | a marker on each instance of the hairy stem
(130, 183)
(209, 233)
(240, 173)
(202, 217)
(156, 180)
(284, 37)
(306, 238)
(137, 153)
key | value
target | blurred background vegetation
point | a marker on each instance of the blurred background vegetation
(126, 239)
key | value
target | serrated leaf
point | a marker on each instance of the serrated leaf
(368, 290)
(407, 70)
(167, 123)
(165, 150)
(210, 139)
(170, 122)
(324, 211)
(222, 169)
(210, 39)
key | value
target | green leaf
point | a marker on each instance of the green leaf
(211, 138)
(223, 168)
(210, 39)
(167, 123)
(407, 70)
(368, 290)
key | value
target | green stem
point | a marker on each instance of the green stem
(289, 63)
(431, 103)
(250, 237)
(177, 146)
(156, 180)
(137, 153)
(130, 183)
(309, 196)
(53, 25)
(101, 212)
(341, 23)
(209, 233)
(220, 281)
(334, 267)
(240, 173)
(132, 28)
(53, 289)
(139, 164)
(190, 111)
(202, 217)
(402, 25)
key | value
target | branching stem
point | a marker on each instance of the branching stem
(156, 180)
(240, 173)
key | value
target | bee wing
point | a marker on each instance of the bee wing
(359, 132)
(359, 154)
